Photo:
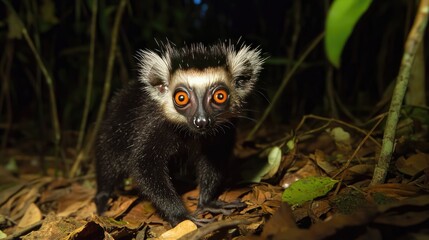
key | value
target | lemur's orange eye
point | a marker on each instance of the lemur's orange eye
(181, 98)
(220, 96)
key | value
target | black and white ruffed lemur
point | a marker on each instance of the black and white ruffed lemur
(182, 106)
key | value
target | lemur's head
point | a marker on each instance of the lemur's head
(200, 86)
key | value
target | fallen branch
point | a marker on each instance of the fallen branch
(411, 45)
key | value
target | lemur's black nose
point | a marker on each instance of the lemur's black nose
(202, 122)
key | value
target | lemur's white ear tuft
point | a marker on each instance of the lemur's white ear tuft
(153, 68)
(244, 65)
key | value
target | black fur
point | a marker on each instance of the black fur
(198, 56)
(137, 140)
(144, 129)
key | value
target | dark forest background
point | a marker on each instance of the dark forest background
(282, 29)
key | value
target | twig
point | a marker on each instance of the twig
(5, 67)
(296, 31)
(411, 45)
(106, 90)
(294, 38)
(49, 82)
(329, 120)
(285, 81)
(330, 91)
(90, 75)
(368, 135)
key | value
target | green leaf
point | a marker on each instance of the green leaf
(291, 144)
(340, 136)
(307, 189)
(47, 15)
(2, 235)
(342, 17)
(12, 166)
(14, 23)
(274, 159)
(257, 169)
(15, 26)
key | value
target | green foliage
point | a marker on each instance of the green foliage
(257, 169)
(274, 159)
(2, 235)
(14, 26)
(47, 15)
(342, 18)
(307, 189)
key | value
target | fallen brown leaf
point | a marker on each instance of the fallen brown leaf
(413, 164)
(77, 198)
(141, 213)
(395, 190)
(309, 169)
(31, 216)
(281, 221)
(120, 205)
(180, 230)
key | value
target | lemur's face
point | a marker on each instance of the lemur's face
(203, 97)
(200, 87)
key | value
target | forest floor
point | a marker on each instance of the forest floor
(42, 206)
